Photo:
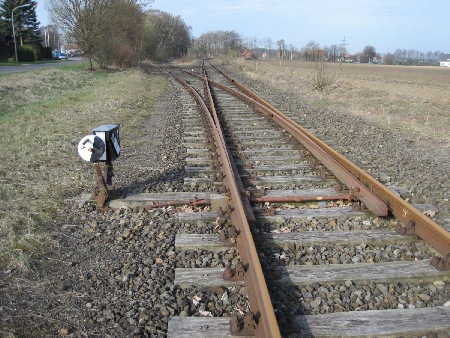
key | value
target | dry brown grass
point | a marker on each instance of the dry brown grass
(412, 100)
(43, 115)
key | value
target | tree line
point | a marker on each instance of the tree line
(26, 27)
(108, 32)
(123, 32)
(231, 43)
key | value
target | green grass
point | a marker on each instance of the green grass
(43, 115)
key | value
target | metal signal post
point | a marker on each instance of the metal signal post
(102, 146)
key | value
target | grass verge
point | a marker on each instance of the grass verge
(43, 115)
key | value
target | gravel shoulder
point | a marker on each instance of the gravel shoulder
(111, 274)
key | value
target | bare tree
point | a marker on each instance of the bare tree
(389, 59)
(50, 36)
(219, 43)
(281, 49)
(268, 43)
(333, 52)
(312, 51)
(166, 36)
(80, 19)
(292, 51)
(99, 26)
(369, 53)
(121, 34)
(129, 42)
(251, 44)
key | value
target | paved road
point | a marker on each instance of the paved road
(28, 67)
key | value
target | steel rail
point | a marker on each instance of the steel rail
(415, 221)
(259, 298)
(236, 177)
(357, 189)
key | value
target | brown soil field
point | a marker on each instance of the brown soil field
(412, 100)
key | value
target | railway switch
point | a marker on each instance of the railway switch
(102, 146)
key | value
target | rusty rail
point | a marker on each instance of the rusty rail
(262, 317)
(357, 189)
(415, 222)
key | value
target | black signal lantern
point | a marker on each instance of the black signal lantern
(109, 134)
(102, 146)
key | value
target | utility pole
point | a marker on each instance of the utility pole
(342, 47)
(14, 31)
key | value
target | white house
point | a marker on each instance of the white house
(444, 60)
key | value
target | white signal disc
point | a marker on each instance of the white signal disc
(91, 148)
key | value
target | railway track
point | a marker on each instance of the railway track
(323, 248)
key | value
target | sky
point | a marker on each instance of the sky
(384, 24)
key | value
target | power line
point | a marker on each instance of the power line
(342, 47)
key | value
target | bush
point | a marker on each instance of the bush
(320, 78)
(26, 54)
(46, 53)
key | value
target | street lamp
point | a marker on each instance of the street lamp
(14, 32)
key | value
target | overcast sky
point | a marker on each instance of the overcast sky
(385, 24)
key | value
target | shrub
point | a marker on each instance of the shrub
(26, 54)
(320, 78)
(46, 53)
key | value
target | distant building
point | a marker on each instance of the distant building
(444, 61)
(72, 49)
(248, 54)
